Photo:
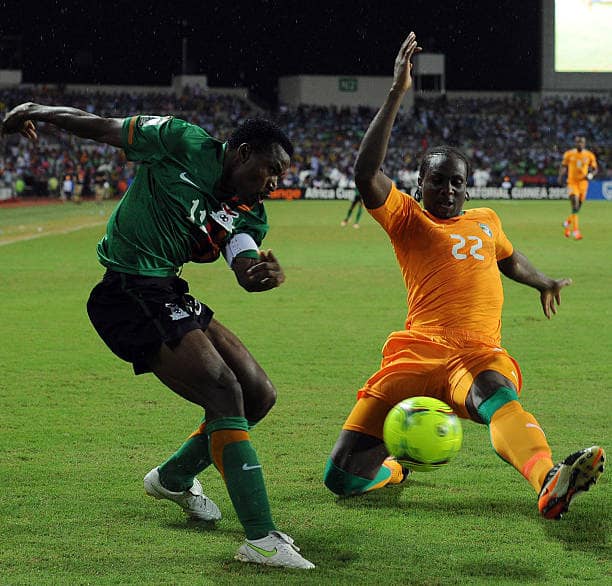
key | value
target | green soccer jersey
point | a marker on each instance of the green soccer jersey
(174, 211)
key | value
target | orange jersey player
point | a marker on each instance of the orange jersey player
(580, 166)
(449, 349)
(460, 265)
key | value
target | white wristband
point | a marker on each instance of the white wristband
(237, 244)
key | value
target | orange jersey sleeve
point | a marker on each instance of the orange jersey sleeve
(449, 266)
(578, 164)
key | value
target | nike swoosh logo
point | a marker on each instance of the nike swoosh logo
(534, 426)
(184, 177)
(245, 467)
(263, 552)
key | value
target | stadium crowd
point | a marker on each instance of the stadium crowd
(508, 139)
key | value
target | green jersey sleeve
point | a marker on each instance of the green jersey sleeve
(151, 138)
(253, 222)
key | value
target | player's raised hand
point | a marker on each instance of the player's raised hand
(402, 73)
(551, 296)
(17, 120)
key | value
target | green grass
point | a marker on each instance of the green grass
(78, 431)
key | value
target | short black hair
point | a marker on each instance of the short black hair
(448, 151)
(261, 134)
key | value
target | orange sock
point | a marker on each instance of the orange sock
(222, 438)
(200, 431)
(574, 222)
(518, 438)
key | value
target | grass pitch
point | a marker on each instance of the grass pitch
(78, 431)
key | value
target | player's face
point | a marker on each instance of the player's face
(444, 186)
(580, 142)
(259, 172)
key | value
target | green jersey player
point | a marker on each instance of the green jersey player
(194, 198)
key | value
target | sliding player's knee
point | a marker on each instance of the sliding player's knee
(490, 392)
(495, 401)
(343, 483)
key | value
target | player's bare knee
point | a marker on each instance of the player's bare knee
(223, 398)
(262, 401)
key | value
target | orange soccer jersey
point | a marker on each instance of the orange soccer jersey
(578, 164)
(449, 266)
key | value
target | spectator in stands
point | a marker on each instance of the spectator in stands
(481, 177)
(504, 135)
(79, 183)
(67, 188)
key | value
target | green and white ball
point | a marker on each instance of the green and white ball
(423, 433)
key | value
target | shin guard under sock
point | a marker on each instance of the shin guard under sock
(518, 438)
(193, 457)
(236, 460)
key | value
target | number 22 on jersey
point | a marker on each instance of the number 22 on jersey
(464, 247)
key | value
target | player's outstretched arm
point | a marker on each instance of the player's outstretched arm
(259, 274)
(562, 174)
(518, 268)
(371, 182)
(592, 171)
(22, 119)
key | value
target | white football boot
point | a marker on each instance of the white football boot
(193, 501)
(275, 549)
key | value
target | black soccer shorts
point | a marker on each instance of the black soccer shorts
(135, 315)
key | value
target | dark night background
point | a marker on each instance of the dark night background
(488, 45)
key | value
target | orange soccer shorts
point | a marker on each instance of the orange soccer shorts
(578, 189)
(431, 362)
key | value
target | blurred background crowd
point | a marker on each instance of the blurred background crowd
(508, 139)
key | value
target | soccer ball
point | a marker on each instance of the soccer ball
(423, 433)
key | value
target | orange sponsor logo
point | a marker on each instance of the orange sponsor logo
(286, 194)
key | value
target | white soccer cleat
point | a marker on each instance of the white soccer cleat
(193, 501)
(275, 549)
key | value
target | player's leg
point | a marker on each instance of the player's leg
(518, 438)
(412, 364)
(359, 212)
(359, 460)
(516, 435)
(154, 324)
(571, 224)
(576, 206)
(568, 224)
(195, 370)
(348, 214)
(259, 395)
(135, 316)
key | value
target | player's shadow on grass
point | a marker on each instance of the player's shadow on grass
(582, 530)
(500, 570)
(477, 505)
(190, 525)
